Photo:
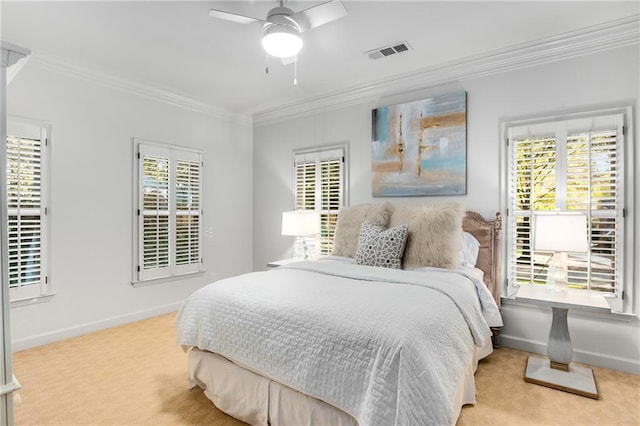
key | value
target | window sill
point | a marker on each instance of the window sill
(32, 300)
(579, 302)
(166, 279)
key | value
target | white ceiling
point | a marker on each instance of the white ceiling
(177, 47)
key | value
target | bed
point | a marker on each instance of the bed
(346, 341)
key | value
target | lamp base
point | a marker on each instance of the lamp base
(301, 250)
(557, 273)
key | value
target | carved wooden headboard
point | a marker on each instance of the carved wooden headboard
(489, 234)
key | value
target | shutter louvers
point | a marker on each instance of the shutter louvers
(534, 173)
(592, 186)
(24, 208)
(306, 174)
(155, 214)
(188, 208)
(305, 186)
(331, 183)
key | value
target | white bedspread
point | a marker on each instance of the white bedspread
(386, 346)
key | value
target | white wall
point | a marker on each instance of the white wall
(587, 82)
(91, 201)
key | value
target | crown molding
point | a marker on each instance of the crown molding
(138, 89)
(607, 36)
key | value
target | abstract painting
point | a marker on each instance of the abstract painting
(420, 148)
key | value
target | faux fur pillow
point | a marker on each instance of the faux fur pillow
(377, 247)
(435, 232)
(350, 220)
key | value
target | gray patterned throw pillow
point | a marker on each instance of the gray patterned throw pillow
(377, 247)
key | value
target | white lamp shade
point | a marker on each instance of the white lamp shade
(281, 41)
(300, 223)
(560, 232)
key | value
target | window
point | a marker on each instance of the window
(320, 185)
(27, 210)
(574, 165)
(169, 211)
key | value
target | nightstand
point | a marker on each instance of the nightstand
(557, 371)
(276, 263)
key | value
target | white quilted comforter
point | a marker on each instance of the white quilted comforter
(386, 346)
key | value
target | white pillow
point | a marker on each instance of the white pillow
(469, 249)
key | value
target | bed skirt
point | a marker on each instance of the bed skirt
(257, 400)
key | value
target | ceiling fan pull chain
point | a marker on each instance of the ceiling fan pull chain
(266, 63)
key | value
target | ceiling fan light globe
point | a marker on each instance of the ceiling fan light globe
(281, 41)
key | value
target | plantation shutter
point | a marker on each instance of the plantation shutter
(534, 176)
(331, 189)
(26, 210)
(573, 165)
(305, 183)
(169, 215)
(188, 210)
(319, 185)
(154, 217)
(595, 187)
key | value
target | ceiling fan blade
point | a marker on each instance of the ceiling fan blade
(233, 17)
(320, 14)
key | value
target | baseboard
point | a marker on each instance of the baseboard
(78, 330)
(612, 362)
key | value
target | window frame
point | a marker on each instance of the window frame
(320, 154)
(622, 300)
(173, 271)
(18, 127)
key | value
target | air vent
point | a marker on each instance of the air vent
(393, 49)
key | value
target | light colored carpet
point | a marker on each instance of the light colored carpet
(136, 375)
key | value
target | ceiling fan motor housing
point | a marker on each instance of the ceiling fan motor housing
(281, 16)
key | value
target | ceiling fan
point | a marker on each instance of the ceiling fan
(282, 26)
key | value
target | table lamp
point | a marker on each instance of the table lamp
(560, 233)
(300, 224)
